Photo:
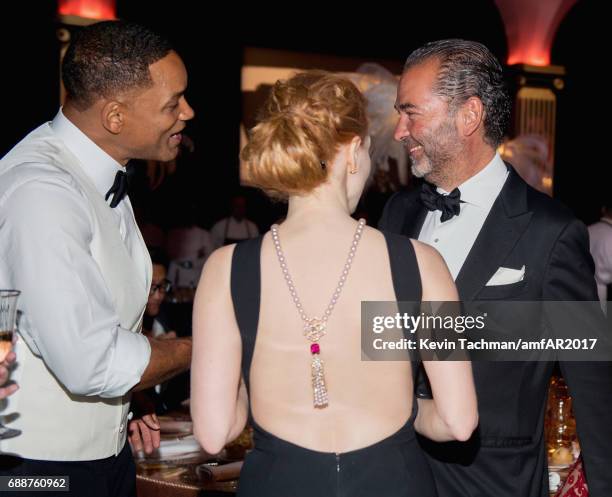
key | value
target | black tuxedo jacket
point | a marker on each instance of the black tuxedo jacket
(506, 457)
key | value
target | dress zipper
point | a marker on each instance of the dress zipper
(337, 474)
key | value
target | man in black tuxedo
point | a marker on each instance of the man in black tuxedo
(502, 240)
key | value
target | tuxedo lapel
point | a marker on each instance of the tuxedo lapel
(507, 220)
(415, 215)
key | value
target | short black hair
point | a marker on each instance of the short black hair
(110, 57)
(158, 256)
(469, 69)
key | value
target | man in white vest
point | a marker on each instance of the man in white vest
(69, 242)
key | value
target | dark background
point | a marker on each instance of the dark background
(211, 41)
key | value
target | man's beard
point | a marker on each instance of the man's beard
(437, 154)
(421, 168)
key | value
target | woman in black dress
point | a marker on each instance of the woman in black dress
(277, 319)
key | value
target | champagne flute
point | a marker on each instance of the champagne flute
(8, 314)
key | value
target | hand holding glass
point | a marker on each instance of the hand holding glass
(8, 315)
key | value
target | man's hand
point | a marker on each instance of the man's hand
(4, 375)
(144, 433)
(168, 358)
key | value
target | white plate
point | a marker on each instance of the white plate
(176, 449)
(175, 427)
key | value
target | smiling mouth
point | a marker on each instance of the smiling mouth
(414, 149)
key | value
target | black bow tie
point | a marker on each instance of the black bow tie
(120, 185)
(434, 201)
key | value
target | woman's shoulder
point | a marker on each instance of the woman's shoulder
(426, 252)
(219, 262)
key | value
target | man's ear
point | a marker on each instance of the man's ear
(471, 116)
(113, 116)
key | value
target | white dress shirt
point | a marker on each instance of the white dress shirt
(455, 237)
(600, 235)
(70, 320)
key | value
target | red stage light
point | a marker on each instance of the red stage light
(531, 26)
(89, 9)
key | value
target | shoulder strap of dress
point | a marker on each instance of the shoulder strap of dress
(406, 282)
(404, 268)
(246, 295)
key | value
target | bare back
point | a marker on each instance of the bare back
(368, 400)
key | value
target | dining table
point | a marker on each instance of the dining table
(181, 468)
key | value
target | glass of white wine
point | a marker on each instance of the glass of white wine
(8, 315)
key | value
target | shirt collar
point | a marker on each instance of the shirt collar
(483, 188)
(100, 167)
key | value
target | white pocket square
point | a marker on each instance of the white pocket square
(506, 276)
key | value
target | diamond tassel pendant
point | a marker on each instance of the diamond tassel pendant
(319, 390)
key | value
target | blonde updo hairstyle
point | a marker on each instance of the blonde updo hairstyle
(303, 124)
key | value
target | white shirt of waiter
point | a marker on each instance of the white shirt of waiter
(188, 249)
(600, 235)
(70, 319)
(230, 229)
(455, 237)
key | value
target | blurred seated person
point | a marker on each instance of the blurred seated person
(236, 226)
(156, 324)
(188, 246)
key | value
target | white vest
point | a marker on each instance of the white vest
(57, 425)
